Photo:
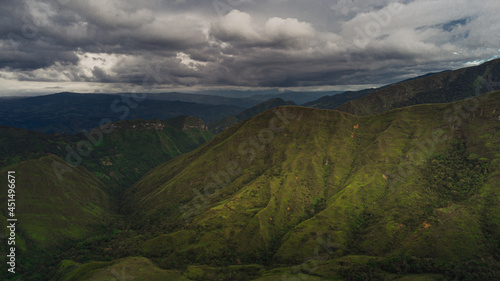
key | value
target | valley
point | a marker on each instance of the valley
(374, 190)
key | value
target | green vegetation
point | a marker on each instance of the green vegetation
(52, 213)
(305, 194)
(328, 185)
(77, 217)
(133, 268)
(69, 208)
(135, 147)
(456, 175)
(17, 145)
(121, 157)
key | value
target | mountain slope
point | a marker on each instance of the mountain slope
(133, 268)
(118, 155)
(226, 122)
(63, 210)
(135, 147)
(298, 184)
(51, 212)
(83, 197)
(439, 88)
(17, 145)
(333, 101)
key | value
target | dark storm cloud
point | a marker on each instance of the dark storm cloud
(281, 43)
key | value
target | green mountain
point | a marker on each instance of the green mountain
(18, 145)
(443, 87)
(135, 147)
(334, 101)
(334, 195)
(293, 193)
(226, 122)
(60, 206)
(119, 154)
(133, 268)
(50, 213)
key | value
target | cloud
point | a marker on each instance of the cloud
(111, 14)
(266, 43)
(239, 28)
(290, 31)
(235, 26)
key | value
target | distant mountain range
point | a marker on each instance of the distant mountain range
(71, 113)
(226, 122)
(203, 99)
(239, 98)
(296, 97)
(299, 97)
(332, 102)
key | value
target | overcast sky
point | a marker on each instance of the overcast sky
(125, 45)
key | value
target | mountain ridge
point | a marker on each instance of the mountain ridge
(448, 86)
(326, 176)
(72, 112)
(119, 153)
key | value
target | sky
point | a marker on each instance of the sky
(111, 46)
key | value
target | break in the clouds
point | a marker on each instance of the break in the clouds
(112, 45)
